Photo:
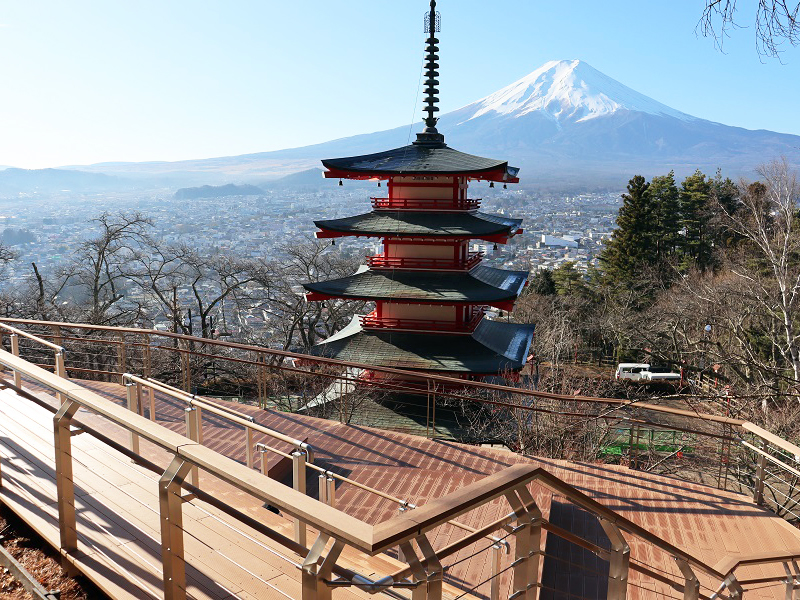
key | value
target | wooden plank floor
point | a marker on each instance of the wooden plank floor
(706, 522)
(118, 521)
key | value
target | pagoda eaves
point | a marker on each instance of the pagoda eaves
(416, 159)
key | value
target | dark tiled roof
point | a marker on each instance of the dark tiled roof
(419, 159)
(382, 223)
(481, 285)
(493, 347)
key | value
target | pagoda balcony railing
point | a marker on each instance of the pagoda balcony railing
(373, 321)
(381, 261)
(440, 204)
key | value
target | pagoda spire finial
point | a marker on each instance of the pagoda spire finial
(430, 136)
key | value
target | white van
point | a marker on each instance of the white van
(631, 371)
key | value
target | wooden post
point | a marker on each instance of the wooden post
(618, 561)
(400, 552)
(433, 412)
(758, 488)
(264, 470)
(428, 413)
(57, 339)
(528, 541)
(148, 368)
(299, 483)
(331, 488)
(133, 406)
(260, 381)
(199, 424)
(121, 356)
(61, 371)
(426, 573)
(170, 501)
(192, 415)
(248, 440)
(433, 568)
(186, 368)
(323, 488)
(151, 393)
(15, 351)
(65, 488)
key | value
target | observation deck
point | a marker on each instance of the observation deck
(143, 510)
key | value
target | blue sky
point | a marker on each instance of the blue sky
(93, 81)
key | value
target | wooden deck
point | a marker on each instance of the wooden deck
(118, 519)
(123, 555)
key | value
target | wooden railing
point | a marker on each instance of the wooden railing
(433, 204)
(381, 261)
(736, 448)
(425, 572)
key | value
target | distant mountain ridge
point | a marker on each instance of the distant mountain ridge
(564, 123)
(15, 181)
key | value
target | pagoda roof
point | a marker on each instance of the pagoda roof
(492, 348)
(421, 159)
(423, 224)
(481, 285)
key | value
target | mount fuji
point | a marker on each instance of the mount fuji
(565, 124)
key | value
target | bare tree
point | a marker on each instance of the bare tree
(184, 283)
(302, 324)
(767, 219)
(101, 265)
(776, 23)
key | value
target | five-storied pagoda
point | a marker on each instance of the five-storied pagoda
(430, 291)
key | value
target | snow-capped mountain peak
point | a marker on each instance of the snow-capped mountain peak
(568, 90)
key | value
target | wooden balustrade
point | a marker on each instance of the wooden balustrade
(426, 204)
(424, 572)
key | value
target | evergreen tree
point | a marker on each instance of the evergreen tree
(633, 242)
(694, 200)
(568, 280)
(726, 194)
(543, 283)
(665, 204)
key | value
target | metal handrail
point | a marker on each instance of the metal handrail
(238, 418)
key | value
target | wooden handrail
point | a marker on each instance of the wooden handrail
(326, 519)
(731, 563)
(374, 539)
(30, 336)
(411, 524)
(771, 438)
(434, 378)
